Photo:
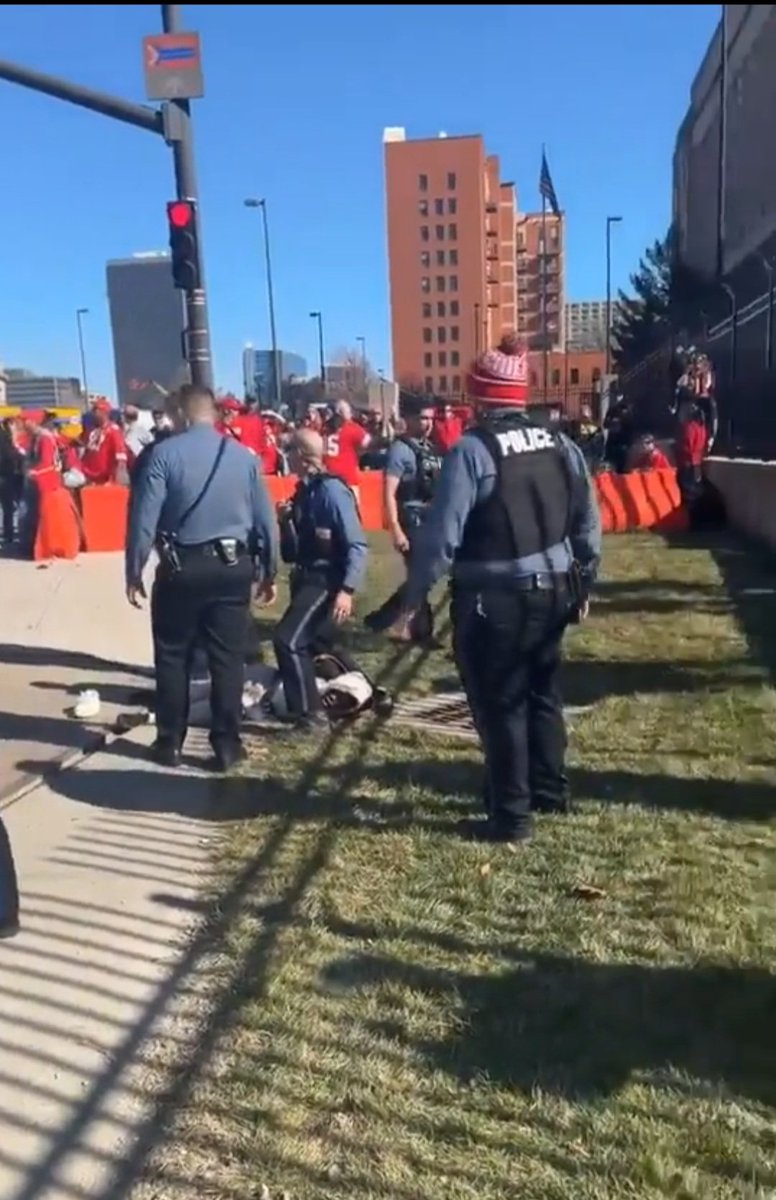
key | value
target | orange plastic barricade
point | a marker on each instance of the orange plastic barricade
(280, 487)
(640, 500)
(104, 514)
(614, 516)
(58, 534)
(370, 500)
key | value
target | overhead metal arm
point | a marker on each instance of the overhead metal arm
(139, 115)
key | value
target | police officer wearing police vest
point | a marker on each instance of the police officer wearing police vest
(201, 502)
(515, 517)
(322, 536)
(411, 472)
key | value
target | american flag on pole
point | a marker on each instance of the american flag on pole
(547, 188)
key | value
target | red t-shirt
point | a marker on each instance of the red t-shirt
(341, 448)
(246, 430)
(656, 461)
(105, 451)
(269, 453)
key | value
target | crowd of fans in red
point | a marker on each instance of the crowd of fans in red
(34, 449)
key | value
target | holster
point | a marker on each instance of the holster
(289, 540)
(579, 590)
(169, 558)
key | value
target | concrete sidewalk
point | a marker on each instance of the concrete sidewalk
(65, 626)
(111, 856)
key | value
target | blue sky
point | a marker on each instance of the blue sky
(297, 97)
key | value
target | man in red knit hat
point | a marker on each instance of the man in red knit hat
(515, 519)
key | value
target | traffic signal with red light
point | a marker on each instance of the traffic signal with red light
(184, 248)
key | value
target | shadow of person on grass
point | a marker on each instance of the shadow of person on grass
(461, 777)
(586, 681)
(577, 1028)
(203, 797)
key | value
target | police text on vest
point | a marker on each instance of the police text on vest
(521, 441)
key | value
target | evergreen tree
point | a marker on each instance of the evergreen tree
(665, 297)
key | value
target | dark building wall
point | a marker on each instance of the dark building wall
(147, 322)
(749, 167)
(744, 357)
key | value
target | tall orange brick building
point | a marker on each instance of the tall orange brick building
(452, 257)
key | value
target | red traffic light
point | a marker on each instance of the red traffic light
(180, 214)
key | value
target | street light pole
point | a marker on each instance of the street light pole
(317, 316)
(276, 364)
(79, 314)
(609, 222)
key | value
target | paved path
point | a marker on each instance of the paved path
(111, 855)
(63, 627)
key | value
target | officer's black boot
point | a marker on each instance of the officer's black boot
(549, 804)
(387, 614)
(492, 828)
(166, 753)
(489, 829)
(227, 755)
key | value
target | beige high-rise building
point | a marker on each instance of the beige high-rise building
(540, 248)
(586, 324)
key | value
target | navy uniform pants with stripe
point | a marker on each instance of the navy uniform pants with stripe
(305, 630)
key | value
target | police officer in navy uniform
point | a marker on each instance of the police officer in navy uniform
(411, 472)
(322, 536)
(515, 517)
(201, 501)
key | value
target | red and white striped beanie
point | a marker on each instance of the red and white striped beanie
(500, 376)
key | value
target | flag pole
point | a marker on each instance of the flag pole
(545, 352)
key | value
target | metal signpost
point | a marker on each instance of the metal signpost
(173, 66)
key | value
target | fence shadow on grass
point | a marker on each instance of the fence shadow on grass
(582, 1029)
(63, 974)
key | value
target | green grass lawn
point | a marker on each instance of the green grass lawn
(405, 1016)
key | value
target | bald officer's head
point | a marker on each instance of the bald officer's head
(307, 452)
